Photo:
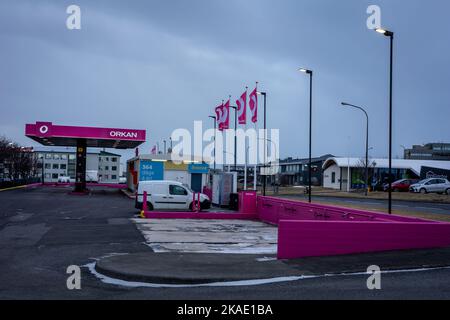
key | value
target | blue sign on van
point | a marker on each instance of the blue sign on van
(150, 170)
(198, 168)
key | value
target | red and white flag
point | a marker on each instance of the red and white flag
(242, 108)
(226, 116)
(253, 102)
(219, 112)
(154, 150)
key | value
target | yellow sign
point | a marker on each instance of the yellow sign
(170, 166)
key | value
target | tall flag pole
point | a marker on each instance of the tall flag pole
(254, 102)
(244, 122)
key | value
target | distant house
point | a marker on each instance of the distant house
(348, 173)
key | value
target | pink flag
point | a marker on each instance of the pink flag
(242, 108)
(226, 116)
(154, 150)
(253, 102)
(219, 116)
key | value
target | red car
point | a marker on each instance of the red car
(401, 185)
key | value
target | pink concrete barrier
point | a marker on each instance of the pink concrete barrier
(298, 239)
(247, 202)
(89, 184)
(272, 210)
(199, 215)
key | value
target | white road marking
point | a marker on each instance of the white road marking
(250, 282)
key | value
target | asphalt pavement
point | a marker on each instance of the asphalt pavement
(45, 230)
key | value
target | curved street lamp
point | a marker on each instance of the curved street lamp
(367, 142)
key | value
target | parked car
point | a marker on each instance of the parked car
(64, 179)
(168, 195)
(433, 185)
(401, 185)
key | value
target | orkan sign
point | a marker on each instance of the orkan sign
(47, 130)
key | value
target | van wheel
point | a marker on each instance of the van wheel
(149, 206)
(447, 191)
(423, 191)
(190, 207)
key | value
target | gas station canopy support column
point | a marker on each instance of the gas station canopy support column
(81, 138)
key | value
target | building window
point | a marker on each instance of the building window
(72, 157)
(56, 156)
(40, 156)
(107, 159)
(55, 166)
(106, 177)
(54, 176)
(114, 159)
(114, 168)
(47, 175)
(63, 166)
(106, 168)
(64, 156)
(333, 177)
(114, 177)
(48, 166)
(48, 156)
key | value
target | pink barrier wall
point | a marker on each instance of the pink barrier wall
(272, 210)
(297, 239)
(199, 215)
(65, 184)
(247, 202)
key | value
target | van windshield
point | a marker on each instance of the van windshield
(187, 187)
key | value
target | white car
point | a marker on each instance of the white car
(168, 195)
(64, 179)
(432, 185)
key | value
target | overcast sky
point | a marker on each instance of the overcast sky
(160, 65)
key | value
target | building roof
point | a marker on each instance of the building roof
(167, 157)
(290, 161)
(413, 165)
(110, 154)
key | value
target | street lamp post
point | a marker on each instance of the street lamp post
(264, 94)
(389, 34)
(215, 127)
(367, 143)
(310, 129)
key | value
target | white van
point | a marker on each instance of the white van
(168, 195)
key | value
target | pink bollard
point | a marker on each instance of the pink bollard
(199, 208)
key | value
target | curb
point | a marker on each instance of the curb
(191, 268)
(127, 194)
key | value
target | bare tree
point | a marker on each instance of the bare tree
(17, 162)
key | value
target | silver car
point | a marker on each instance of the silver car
(432, 185)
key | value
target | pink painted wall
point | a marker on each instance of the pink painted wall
(272, 210)
(298, 239)
(199, 215)
(247, 202)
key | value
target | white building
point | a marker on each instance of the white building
(338, 171)
(61, 163)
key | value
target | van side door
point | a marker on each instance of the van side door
(178, 197)
(159, 196)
